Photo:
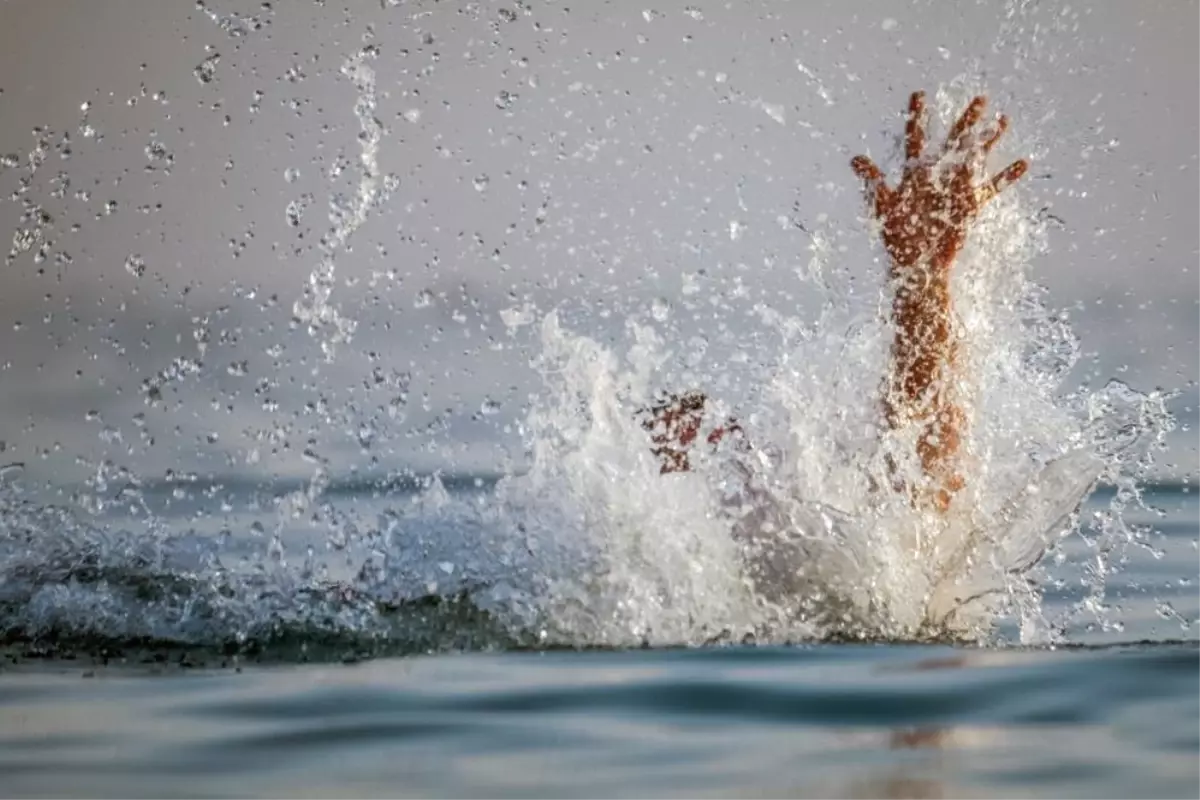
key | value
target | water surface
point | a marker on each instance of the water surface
(1113, 714)
(819, 721)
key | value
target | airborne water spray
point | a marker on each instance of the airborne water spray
(591, 545)
(324, 321)
(626, 556)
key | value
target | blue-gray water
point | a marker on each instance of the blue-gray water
(1115, 713)
(823, 721)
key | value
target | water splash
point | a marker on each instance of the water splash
(325, 321)
(588, 544)
(799, 537)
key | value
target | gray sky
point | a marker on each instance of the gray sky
(545, 152)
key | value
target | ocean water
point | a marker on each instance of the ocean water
(458, 710)
(177, 619)
(802, 721)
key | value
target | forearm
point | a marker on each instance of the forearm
(922, 385)
(924, 343)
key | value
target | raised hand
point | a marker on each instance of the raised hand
(926, 217)
(925, 220)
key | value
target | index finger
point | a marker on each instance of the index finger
(914, 129)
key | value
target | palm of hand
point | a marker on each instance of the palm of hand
(926, 217)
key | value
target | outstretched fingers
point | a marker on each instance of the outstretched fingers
(914, 129)
(970, 117)
(1001, 126)
(1000, 182)
(872, 176)
(866, 169)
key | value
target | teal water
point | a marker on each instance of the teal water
(458, 708)
(820, 721)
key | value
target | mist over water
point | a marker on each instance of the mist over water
(581, 542)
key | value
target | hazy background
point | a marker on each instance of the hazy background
(546, 152)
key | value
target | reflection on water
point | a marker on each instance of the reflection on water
(901, 782)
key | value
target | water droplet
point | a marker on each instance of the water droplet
(135, 265)
(156, 152)
(481, 183)
(365, 435)
(889, 24)
(295, 209)
(504, 100)
(291, 174)
(207, 68)
(489, 407)
(395, 408)
(424, 299)
(660, 309)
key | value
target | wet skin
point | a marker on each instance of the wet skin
(924, 221)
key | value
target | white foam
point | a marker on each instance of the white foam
(629, 555)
